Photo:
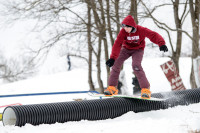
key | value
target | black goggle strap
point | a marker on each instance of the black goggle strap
(123, 25)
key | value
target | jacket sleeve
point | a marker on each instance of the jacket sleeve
(154, 37)
(118, 44)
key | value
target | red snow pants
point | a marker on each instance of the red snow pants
(137, 56)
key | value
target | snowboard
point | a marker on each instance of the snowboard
(125, 96)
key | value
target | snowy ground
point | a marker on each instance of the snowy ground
(180, 119)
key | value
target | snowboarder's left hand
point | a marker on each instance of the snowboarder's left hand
(163, 48)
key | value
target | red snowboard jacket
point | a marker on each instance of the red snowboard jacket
(134, 40)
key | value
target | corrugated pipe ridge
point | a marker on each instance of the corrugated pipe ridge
(98, 109)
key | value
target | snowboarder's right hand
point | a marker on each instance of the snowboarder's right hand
(110, 62)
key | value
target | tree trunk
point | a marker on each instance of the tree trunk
(117, 16)
(89, 50)
(192, 77)
(176, 54)
(99, 26)
(108, 21)
(133, 10)
(101, 87)
(195, 42)
(103, 35)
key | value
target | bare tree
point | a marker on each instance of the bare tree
(103, 33)
(109, 22)
(178, 22)
(15, 69)
(133, 10)
(194, 11)
(90, 81)
(100, 33)
(117, 14)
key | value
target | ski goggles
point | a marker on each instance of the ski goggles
(123, 25)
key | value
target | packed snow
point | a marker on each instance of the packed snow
(180, 119)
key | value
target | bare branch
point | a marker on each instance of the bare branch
(161, 23)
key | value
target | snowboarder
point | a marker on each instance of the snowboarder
(131, 42)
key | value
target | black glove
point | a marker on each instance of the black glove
(110, 62)
(163, 48)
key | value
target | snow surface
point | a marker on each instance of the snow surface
(180, 119)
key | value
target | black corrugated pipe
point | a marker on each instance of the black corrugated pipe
(93, 109)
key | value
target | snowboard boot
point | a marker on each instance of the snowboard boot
(111, 90)
(145, 93)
